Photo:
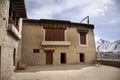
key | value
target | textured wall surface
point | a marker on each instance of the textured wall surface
(33, 35)
(7, 42)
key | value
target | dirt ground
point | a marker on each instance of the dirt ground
(68, 72)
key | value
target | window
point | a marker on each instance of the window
(54, 34)
(36, 50)
(83, 38)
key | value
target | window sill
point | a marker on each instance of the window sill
(56, 43)
(84, 45)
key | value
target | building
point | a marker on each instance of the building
(11, 12)
(57, 42)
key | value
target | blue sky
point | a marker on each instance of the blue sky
(104, 14)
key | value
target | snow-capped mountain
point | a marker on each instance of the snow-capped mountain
(107, 46)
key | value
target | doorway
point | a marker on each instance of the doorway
(14, 56)
(49, 57)
(0, 58)
(82, 57)
(63, 58)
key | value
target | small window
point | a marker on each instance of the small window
(82, 38)
(36, 50)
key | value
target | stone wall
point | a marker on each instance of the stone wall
(33, 35)
(8, 43)
(115, 63)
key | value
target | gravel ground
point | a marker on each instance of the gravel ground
(69, 72)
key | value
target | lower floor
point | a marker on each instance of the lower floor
(62, 57)
(53, 56)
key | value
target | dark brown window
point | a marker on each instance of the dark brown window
(54, 35)
(83, 38)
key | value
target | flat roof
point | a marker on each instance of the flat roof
(57, 21)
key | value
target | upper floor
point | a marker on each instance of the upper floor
(57, 32)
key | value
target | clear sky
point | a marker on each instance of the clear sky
(104, 14)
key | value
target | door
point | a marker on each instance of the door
(49, 57)
(63, 58)
(82, 57)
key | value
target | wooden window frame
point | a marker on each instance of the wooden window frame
(83, 38)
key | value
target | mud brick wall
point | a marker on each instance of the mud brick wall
(7, 43)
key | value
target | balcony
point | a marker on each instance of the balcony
(56, 43)
(11, 21)
(12, 29)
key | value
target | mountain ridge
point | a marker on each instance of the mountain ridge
(108, 46)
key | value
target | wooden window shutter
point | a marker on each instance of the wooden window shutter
(83, 38)
(54, 35)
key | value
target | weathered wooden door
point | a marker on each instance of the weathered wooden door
(49, 57)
